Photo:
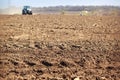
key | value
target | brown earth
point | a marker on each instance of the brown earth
(59, 47)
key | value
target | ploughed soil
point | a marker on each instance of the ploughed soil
(59, 47)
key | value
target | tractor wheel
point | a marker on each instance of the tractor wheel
(30, 13)
(23, 12)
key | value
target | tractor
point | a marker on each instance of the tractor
(26, 10)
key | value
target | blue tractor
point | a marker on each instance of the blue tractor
(27, 10)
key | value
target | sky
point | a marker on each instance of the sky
(42, 3)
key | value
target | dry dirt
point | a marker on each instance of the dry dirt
(59, 47)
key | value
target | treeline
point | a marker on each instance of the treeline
(74, 8)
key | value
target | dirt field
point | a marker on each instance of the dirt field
(59, 47)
